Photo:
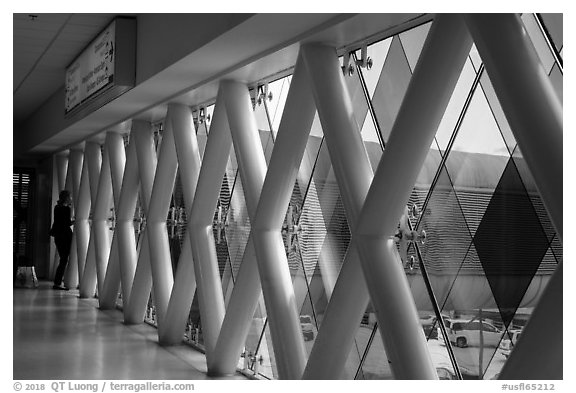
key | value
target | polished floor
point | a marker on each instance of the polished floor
(57, 335)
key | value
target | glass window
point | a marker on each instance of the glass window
(413, 41)
(554, 24)
(535, 34)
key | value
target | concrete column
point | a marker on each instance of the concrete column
(101, 212)
(161, 195)
(189, 163)
(428, 94)
(74, 173)
(209, 286)
(280, 302)
(142, 284)
(404, 341)
(273, 202)
(114, 148)
(336, 334)
(125, 218)
(90, 176)
(535, 116)
(354, 175)
(59, 184)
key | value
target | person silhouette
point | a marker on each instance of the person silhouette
(62, 235)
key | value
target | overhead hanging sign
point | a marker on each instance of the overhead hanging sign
(97, 69)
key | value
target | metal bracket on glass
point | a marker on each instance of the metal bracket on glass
(347, 68)
(291, 227)
(175, 220)
(259, 94)
(220, 223)
(139, 220)
(255, 361)
(365, 61)
(202, 116)
(158, 133)
(404, 236)
(111, 219)
(151, 314)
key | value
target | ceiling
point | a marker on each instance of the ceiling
(45, 44)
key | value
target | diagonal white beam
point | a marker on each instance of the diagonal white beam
(81, 214)
(209, 286)
(100, 230)
(189, 163)
(441, 61)
(124, 229)
(354, 175)
(273, 201)
(428, 94)
(278, 290)
(114, 148)
(534, 112)
(61, 164)
(73, 184)
(93, 163)
(164, 179)
(135, 308)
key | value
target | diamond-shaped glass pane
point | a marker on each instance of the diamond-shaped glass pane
(413, 41)
(202, 137)
(279, 90)
(378, 53)
(447, 234)
(176, 222)
(510, 242)
(237, 227)
(455, 105)
(313, 231)
(554, 24)
(391, 87)
(497, 111)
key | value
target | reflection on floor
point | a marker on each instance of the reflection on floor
(57, 335)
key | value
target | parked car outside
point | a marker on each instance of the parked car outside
(466, 333)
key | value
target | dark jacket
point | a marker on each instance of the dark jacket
(62, 222)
